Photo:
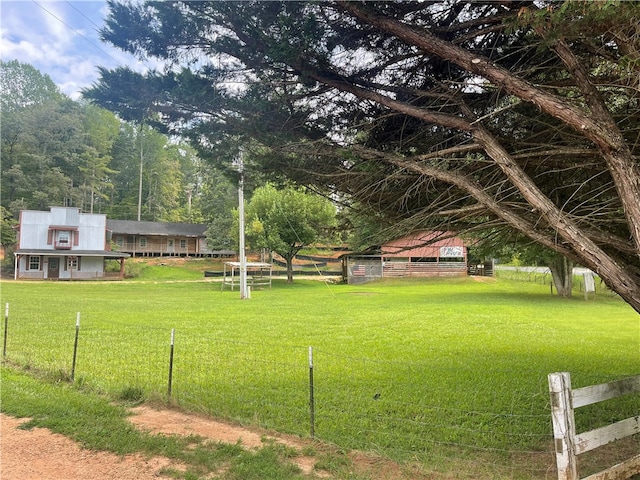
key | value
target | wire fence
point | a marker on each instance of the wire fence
(542, 276)
(408, 411)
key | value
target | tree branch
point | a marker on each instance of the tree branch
(474, 189)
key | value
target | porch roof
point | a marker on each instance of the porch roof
(132, 227)
(71, 253)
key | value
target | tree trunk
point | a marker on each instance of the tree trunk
(289, 269)
(562, 274)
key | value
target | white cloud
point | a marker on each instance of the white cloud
(58, 28)
(22, 50)
(60, 39)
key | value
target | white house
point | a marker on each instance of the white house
(64, 244)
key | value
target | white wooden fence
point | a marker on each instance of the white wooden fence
(569, 445)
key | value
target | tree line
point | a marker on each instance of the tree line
(59, 151)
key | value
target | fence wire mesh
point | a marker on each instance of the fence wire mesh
(408, 411)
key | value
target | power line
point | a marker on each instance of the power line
(81, 35)
(82, 13)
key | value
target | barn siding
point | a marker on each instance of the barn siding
(411, 256)
(424, 269)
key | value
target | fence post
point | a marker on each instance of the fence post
(312, 402)
(6, 327)
(75, 348)
(171, 365)
(564, 428)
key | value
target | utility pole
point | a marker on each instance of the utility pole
(243, 259)
(141, 171)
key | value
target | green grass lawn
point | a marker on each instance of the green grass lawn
(428, 370)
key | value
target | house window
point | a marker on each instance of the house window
(143, 242)
(34, 263)
(120, 241)
(73, 263)
(183, 243)
(63, 238)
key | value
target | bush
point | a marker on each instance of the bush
(132, 268)
(7, 265)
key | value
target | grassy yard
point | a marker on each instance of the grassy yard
(449, 373)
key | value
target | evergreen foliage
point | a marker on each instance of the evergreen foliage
(519, 118)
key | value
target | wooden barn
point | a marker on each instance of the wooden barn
(160, 239)
(421, 254)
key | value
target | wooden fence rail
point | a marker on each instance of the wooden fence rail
(569, 445)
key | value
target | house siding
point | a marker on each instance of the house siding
(35, 227)
(159, 239)
(425, 269)
(156, 245)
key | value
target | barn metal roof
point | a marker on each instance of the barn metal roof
(421, 244)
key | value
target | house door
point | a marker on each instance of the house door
(54, 268)
(171, 245)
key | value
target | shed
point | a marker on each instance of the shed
(425, 254)
(420, 254)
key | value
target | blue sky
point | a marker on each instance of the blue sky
(60, 38)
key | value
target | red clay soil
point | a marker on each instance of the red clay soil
(38, 454)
